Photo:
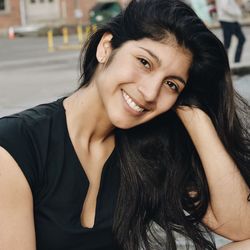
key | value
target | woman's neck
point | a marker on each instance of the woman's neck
(86, 117)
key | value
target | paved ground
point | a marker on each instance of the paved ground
(29, 75)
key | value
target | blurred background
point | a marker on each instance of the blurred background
(40, 42)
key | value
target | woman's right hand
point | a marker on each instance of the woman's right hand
(17, 230)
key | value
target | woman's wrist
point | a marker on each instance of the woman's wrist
(192, 117)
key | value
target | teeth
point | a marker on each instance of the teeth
(132, 104)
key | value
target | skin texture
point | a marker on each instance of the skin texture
(16, 207)
(243, 245)
(147, 79)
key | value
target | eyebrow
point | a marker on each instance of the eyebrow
(152, 54)
(180, 79)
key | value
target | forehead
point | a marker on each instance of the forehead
(162, 48)
(167, 53)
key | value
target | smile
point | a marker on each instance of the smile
(131, 103)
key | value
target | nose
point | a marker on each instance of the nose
(150, 89)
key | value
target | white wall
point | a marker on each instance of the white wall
(42, 10)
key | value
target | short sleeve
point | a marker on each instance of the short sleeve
(16, 138)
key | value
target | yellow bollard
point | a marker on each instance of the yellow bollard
(94, 28)
(50, 41)
(79, 33)
(65, 35)
(87, 32)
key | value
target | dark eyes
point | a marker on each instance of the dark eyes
(145, 63)
(173, 86)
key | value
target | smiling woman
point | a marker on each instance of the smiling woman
(139, 83)
(152, 134)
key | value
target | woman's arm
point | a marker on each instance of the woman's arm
(16, 207)
(242, 245)
(228, 213)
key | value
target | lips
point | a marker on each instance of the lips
(132, 104)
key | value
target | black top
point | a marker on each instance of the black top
(38, 140)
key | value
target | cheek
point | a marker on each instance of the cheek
(127, 73)
(166, 102)
(123, 70)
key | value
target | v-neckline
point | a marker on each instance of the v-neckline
(81, 168)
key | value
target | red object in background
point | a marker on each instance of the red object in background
(11, 33)
(211, 7)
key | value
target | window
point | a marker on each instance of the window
(32, 1)
(41, 1)
(51, 1)
(2, 5)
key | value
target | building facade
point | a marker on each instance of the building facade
(9, 13)
(49, 12)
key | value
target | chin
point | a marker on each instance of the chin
(122, 124)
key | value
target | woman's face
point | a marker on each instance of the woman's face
(142, 80)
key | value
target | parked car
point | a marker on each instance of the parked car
(30, 30)
(103, 11)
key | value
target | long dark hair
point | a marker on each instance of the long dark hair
(159, 164)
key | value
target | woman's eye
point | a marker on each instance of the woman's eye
(145, 63)
(173, 86)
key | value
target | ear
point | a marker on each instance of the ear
(104, 48)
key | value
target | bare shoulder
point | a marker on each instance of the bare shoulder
(16, 206)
